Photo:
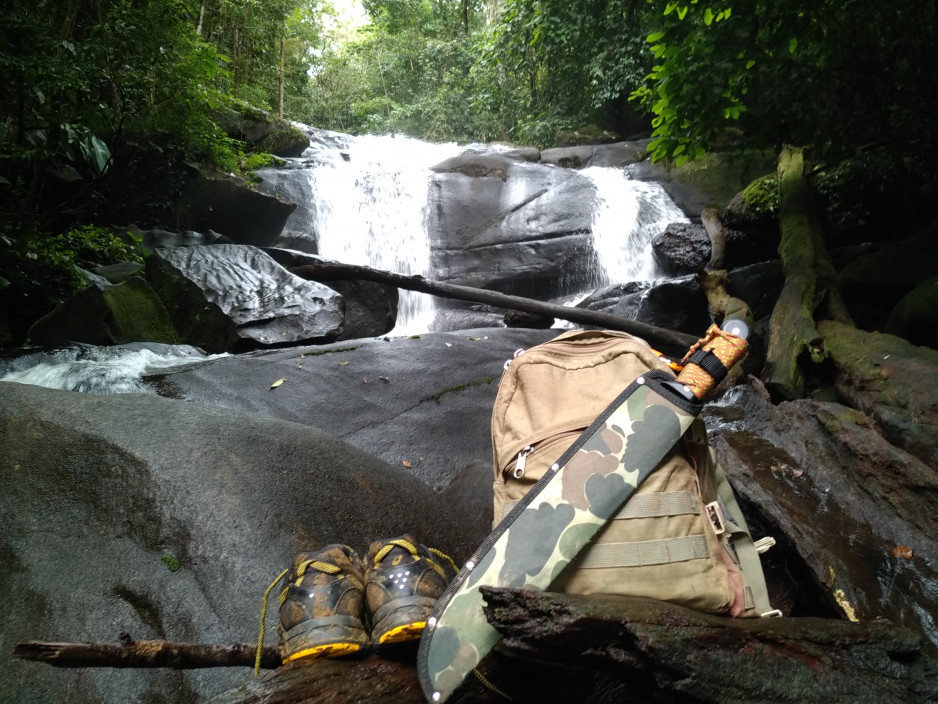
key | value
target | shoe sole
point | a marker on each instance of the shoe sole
(406, 622)
(400, 634)
(315, 639)
(332, 650)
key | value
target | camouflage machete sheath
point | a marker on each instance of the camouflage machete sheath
(553, 522)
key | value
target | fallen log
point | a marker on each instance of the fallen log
(665, 653)
(323, 272)
(145, 653)
(810, 284)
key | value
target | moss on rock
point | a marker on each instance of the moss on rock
(288, 142)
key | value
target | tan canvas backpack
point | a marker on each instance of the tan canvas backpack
(682, 537)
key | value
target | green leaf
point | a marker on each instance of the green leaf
(750, 64)
(682, 12)
(792, 45)
(653, 37)
(708, 17)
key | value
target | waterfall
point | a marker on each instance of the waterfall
(627, 215)
(364, 200)
(370, 208)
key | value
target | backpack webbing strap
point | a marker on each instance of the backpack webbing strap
(646, 552)
(658, 505)
(741, 540)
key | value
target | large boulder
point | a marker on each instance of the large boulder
(674, 304)
(507, 225)
(286, 141)
(915, 316)
(891, 380)
(874, 282)
(106, 314)
(681, 248)
(582, 156)
(222, 296)
(166, 520)
(263, 132)
(288, 183)
(370, 307)
(212, 201)
(857, 511)
(426, 401)
(154, 238)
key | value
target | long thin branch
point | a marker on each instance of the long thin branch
(333, 271)
(145, 653)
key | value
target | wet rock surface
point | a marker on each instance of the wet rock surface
(856, 510)
(219, 294)
(166, 519)
(508, 225)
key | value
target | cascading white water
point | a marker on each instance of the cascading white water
(371, 209)
(628, 214)
(93, 369)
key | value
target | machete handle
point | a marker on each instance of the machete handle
(710, 359)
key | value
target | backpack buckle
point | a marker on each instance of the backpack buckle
(715, 514)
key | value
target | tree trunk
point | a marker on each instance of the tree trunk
(283, 51)
(676, 342)
(810, 280)
(145, 653)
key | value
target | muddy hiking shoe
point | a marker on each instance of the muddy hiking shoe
(403, 581)
(330, 594)
(322, 606)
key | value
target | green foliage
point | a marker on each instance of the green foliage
(833, 74)
(43, 268)
(172, 563)
(852, 193)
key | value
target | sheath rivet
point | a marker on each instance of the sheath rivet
(554, 467)
(436, 696)
(470, 565)
(640, 380)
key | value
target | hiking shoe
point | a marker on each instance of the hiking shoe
(321, 608)
(403, 580)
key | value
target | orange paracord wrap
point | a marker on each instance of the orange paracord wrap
(728, 348)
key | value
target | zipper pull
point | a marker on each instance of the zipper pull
(522, 459)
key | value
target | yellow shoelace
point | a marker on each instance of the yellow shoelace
(301, 570)
(412, 549)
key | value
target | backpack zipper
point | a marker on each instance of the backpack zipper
(520, 462)
(520, 459)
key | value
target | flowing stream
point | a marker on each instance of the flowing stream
(364, 200)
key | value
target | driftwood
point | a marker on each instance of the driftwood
(145, 653)
(659, 652)
(714, 278)
(324, 272)
(810, 283)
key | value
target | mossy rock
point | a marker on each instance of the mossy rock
(915, 317)
(755, 209)
(588, 134)
(108, 315)
(288, 142)
(902, 265)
